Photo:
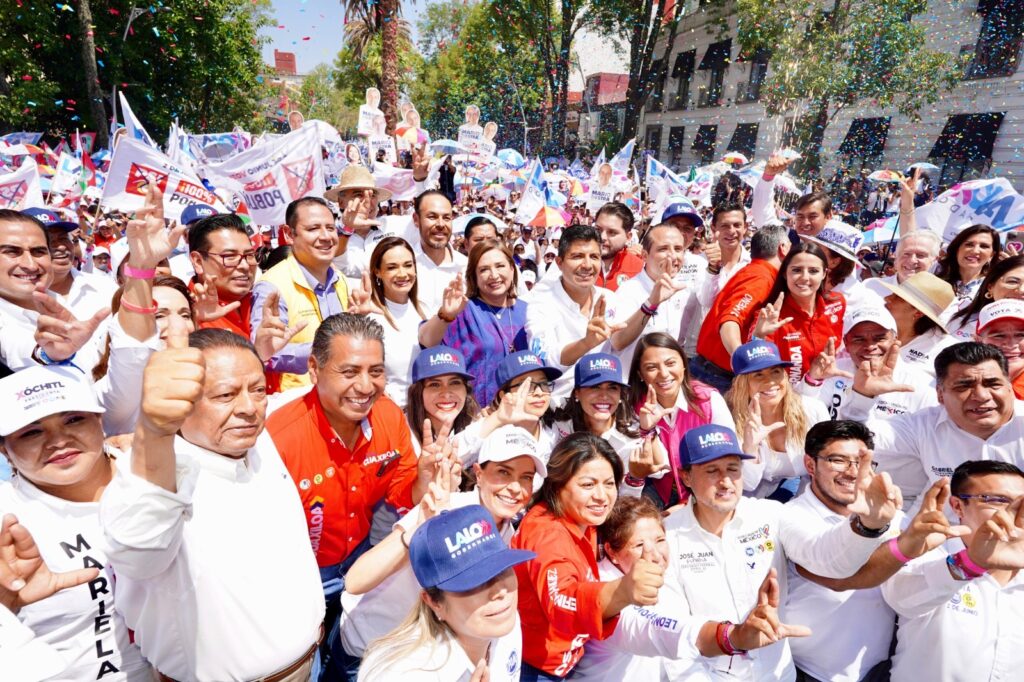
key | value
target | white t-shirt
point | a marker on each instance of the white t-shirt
(762, 476)
(401, 347)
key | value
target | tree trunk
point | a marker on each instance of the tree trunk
(389, 62)
(92, 78)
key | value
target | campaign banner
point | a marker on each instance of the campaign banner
(991, 202)
(219, 146)
(136, 166)
(273, 174)
(132, 124)
(398, 180)
(21, 189)
(69, 172)
(470, 136)
(21, 138)
(534, 197)
(661, 181)
(385, 142)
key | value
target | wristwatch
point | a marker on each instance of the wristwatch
(865, 532)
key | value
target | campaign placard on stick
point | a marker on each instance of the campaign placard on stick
(20, 190)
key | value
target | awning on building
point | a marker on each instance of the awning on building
(683, 68)
(718, 54)
(968, 136)
(705, 138)
(744, 139)
(866, 137)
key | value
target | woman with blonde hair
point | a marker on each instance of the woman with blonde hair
(773, 418)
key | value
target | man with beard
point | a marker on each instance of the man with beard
(437, 263)
(570, 318)
(614, 223)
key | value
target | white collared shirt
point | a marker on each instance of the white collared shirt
(446, 661)
(921, 350)
(694, 273)
(89, 293)
(955, 631)
(356, 259)
(217, 580)
(432, 279)
(851, 630)
(366, 617)
(18, 330)
(624, 447)
(671, 313)
(553, 321)
(80, 623)
(720, 576)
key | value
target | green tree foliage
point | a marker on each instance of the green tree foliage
(353, 75)
(321, 98)
(441, 25)
(198, 60)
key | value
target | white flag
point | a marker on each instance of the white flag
(69, 171)
(274, 174)
(534, 194)
(20, 190)
(132, 124)
(136, 165)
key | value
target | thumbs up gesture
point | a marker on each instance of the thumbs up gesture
(172, 383)
(643, 581)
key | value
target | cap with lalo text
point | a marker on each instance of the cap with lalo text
(709, 442)
(38, 392)
(438, 361)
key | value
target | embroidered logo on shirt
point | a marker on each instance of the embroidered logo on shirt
(513, 664)
(377, 459)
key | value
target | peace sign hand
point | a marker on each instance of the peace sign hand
(512, 409)
(878, 498)
(350, 217)
(999, 543)
(647, 459)
(208, 307)
(651, 412)
(272, 335)
(149, 241)
(359, 301)
(872, 379)
(599, 329)
(664, 288)
(755, 432)
(768, 320)
(762, 625)
(60, 334)
(824, 366)
(420, 162)
(930, 527)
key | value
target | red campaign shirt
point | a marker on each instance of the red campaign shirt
(803, 339)
(738, 302)
(237, 321)
(625, 265)
(559, 591)
(338, 487)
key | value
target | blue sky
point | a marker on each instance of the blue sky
(312, 29)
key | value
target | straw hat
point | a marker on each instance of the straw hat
(926, 292)
(356, 177)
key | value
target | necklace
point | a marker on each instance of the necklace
(498, 312)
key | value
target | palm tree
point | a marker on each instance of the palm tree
(379, 17)
(362, 27)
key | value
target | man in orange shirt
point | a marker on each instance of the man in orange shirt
(614, 222)
(734, 311)
(225, 264)
(347, 447)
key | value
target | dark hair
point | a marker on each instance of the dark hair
(478, 252)
(210, 339)
(727, 207)
(617, 528)
(566, 459)
(199, 232)
(624, 417)
(766, 241)
(377, 285)
(576, 233)
(276, 255)
(838, 274)
(782, 286)
(967, 353)
(618, 210)
(416, 413)
(476, 222)
(821, 434)
(645, 241)
(291, 214)
(981, 299)
(815, 197)
(637, 386)
(343, 324)
(423, 195)
(979, 467)
(949, 267)
(9, 215)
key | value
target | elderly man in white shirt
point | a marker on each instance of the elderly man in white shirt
(977, 418)
(215, 574)
(724, 545)
(569, 318)
(961, 610)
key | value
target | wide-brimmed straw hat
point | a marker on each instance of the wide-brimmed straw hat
(356, 177)
(926, 292)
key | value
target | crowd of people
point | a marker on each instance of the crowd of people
(402, 442)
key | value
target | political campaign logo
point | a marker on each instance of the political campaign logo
(468, 537)
(140, 178)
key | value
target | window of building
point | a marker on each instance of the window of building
(655, 102)
(652, 141)
(964, 148)
(744, 140)
(750, 89)
(864, 143)
(704, 143)
(675, 144)
(716, 63)
(997, 52)
(682, 71)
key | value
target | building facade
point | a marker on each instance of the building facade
(709, 101)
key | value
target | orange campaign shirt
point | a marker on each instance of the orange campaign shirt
(803, 339)
(738, 302)
(625, 265)
(1018, 386)
(237, 321)
(340, 487)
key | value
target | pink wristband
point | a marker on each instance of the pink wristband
(968, 565)
(137, 273)
(894, 548)
(139, 310)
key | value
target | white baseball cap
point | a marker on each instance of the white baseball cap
(510, 442)
(37, 392)
(868, 313)
(1006, 309)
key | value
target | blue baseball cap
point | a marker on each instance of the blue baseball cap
(597, 368)
(194, 212)
(437, 361)
(757, 355)
(709, 442)
(460, 550)
(518, 364)
(50, 219)
(679, 205)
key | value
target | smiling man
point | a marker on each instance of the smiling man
(437, 263)
(310, 288)
(224, 261)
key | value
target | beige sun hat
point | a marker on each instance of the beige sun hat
(926, 292)
(356, 177)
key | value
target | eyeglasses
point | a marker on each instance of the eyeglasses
(544, 386)
(841, 464)
(984, 498)
(232, 260)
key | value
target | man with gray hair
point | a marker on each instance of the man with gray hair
(347, 447)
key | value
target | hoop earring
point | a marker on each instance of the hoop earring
(988, 295)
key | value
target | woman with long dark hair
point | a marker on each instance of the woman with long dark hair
(1005, 279)
(968, 259)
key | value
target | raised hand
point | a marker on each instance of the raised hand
(930, 527)
(665, 287)
(172, 383)
(59, 333)
(149, 242)
(24, 576)
(999, 543)
(755, 432)
(420, 162)
(512, 409)
(437, 455)
(713, 253)
(647, 459)
(350, 213)
(359, 301)
(762, 626)
(651, 412)
(875, 378)
(878, 498)
(777, 163)
(824, 366)
(208, 307)
(272, 335)
(599, 329)
(769, 320)
(640, 586)
(453, 300)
